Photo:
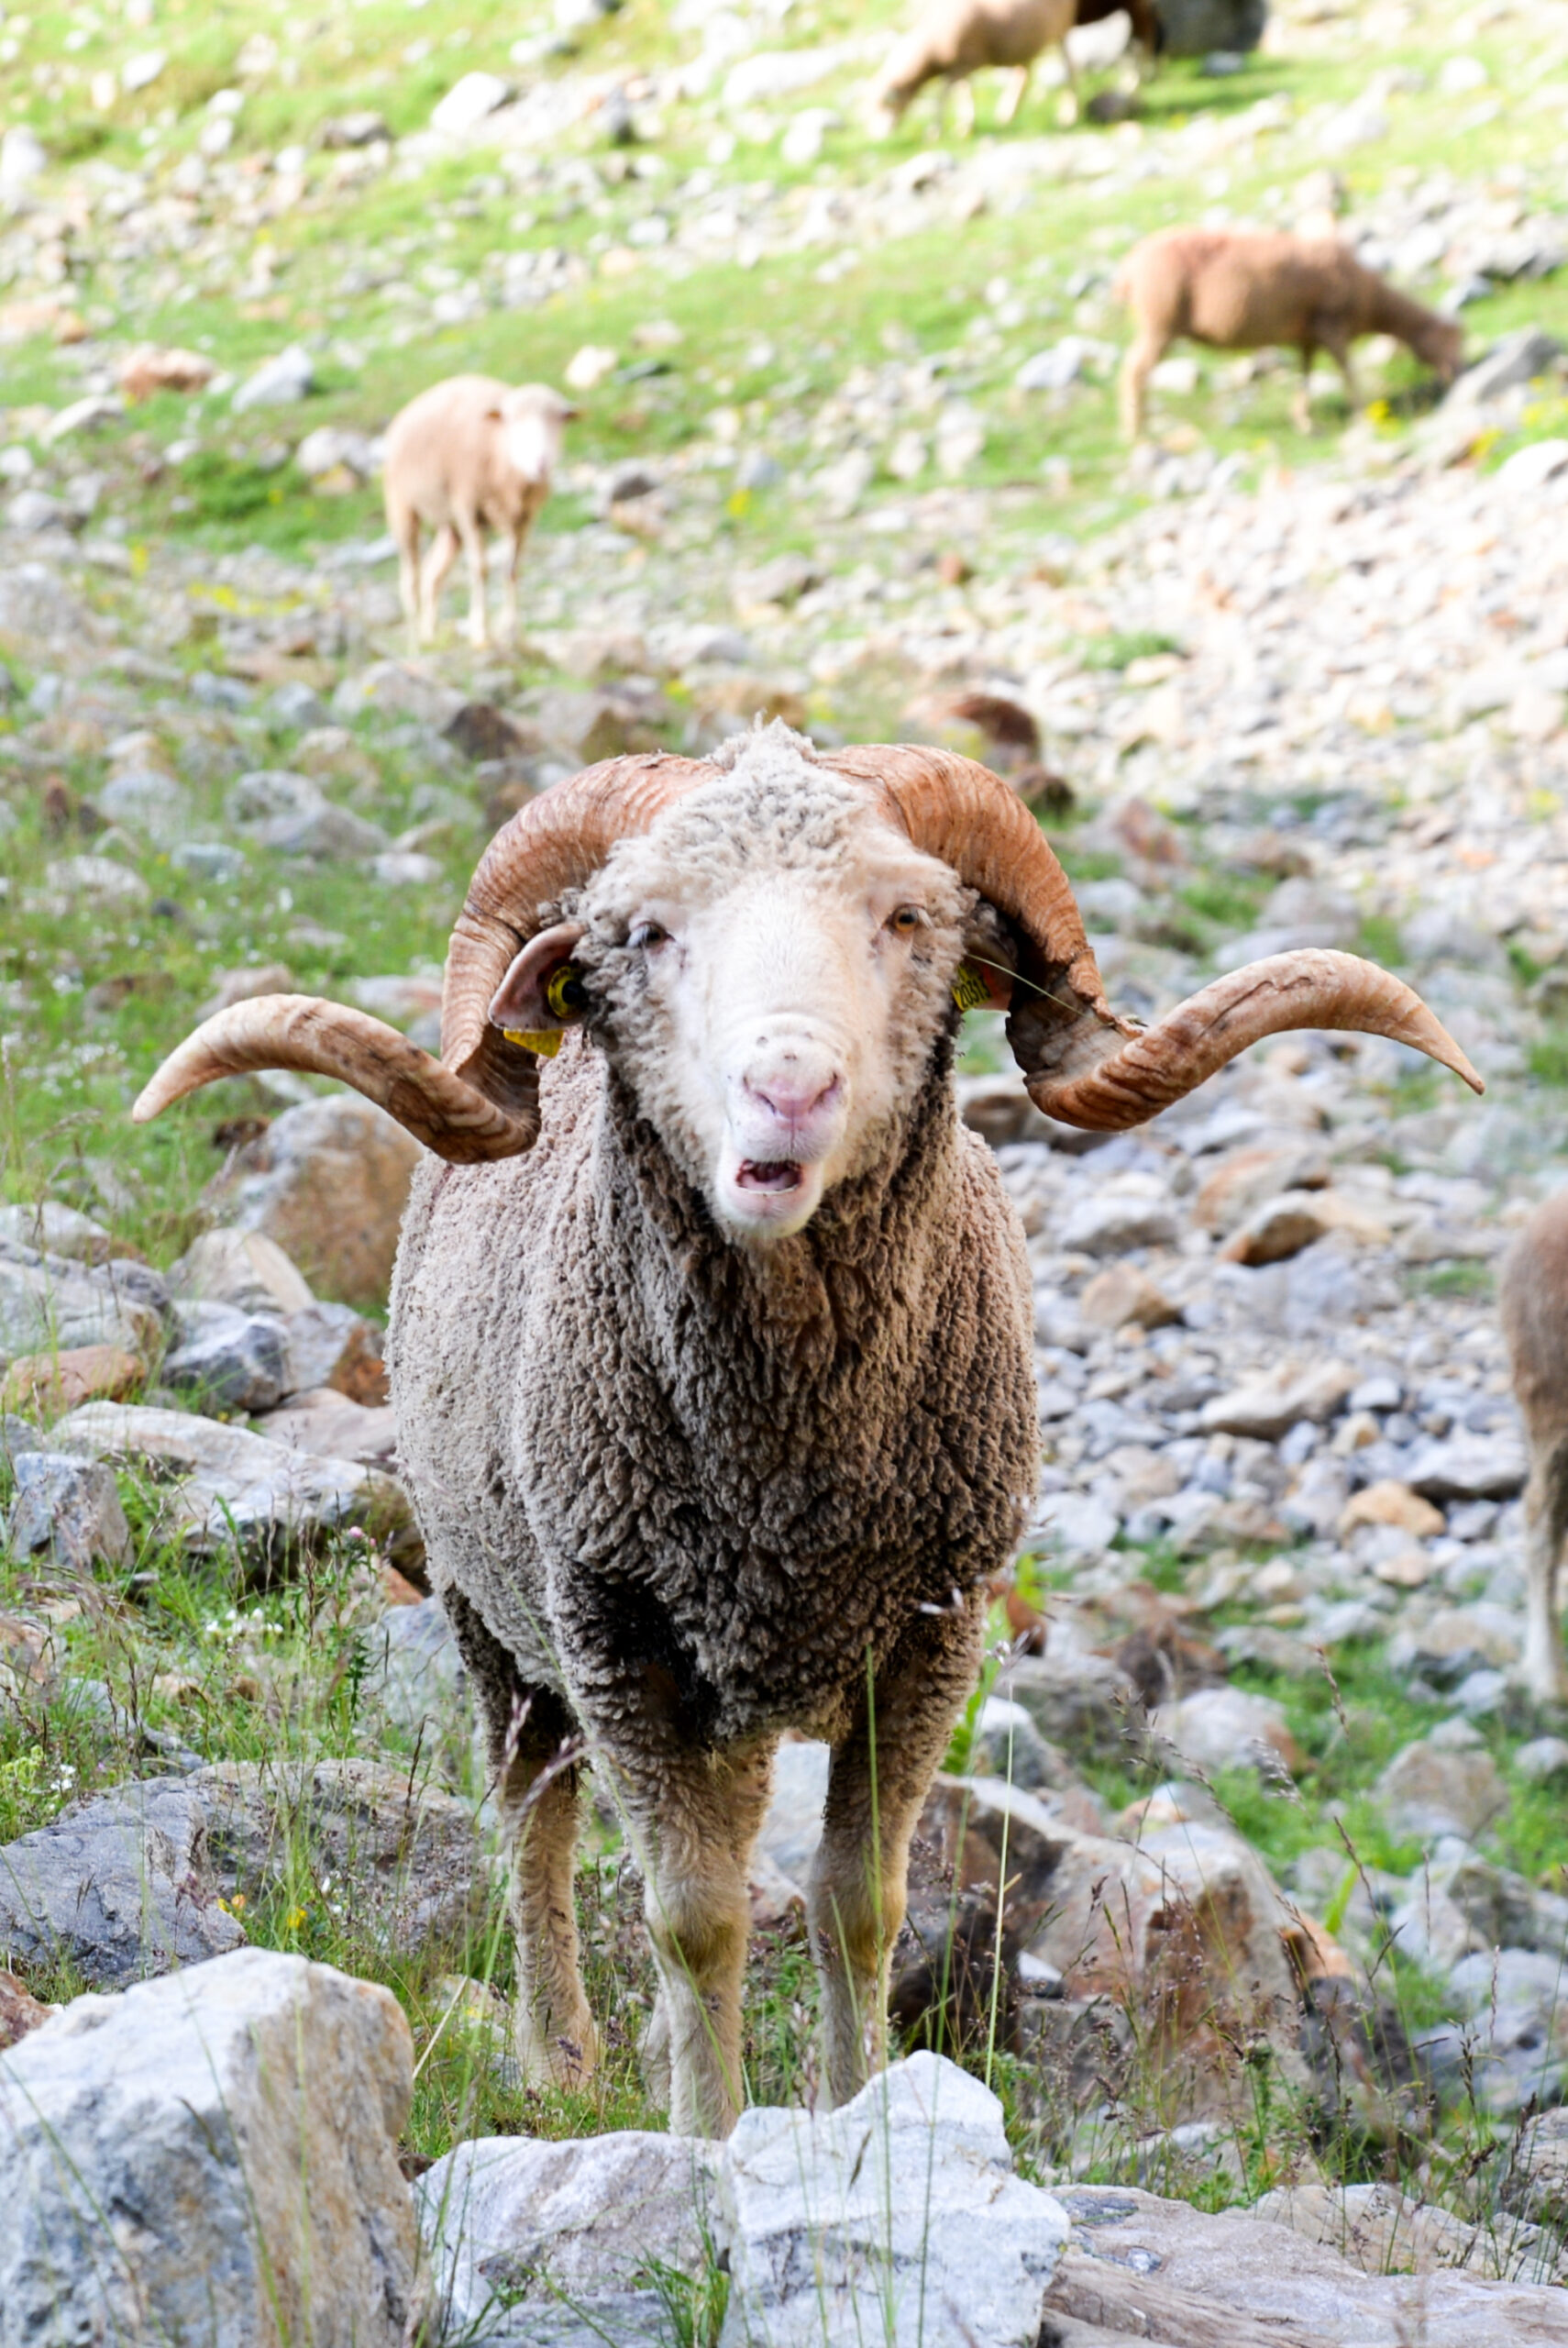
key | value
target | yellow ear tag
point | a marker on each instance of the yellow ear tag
(547, 1043)
(970, 992)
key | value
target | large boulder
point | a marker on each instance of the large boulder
(212, 2158)
(70, 1508)
(897, 2218)
(119, 1885)
(48, 1304)
(329, 1181)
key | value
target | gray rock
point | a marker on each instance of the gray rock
(1110, 1225)
(220, 1486)
(48, 1304)
(1006, 1744)
(895, 2217)
(244, 1268)
(1426, 1791)
(119, 1885)
(1544, 1760)
(1084, 1704)
(146, 800)
(416, 1672)
(211, 2158)
(70, 1508)
(1268, 1408)
(515, 2223)
(1165, 2271)
(294, 706)
(281, 380)
(1468, 1467)
(228, 1360)
(394, 1859)
(58, 1230)
(1197, 27)
(793, 1826)
(1515, 359)
(329, 1181)
(333, 1345)
(1227, 1728)
(212, 861)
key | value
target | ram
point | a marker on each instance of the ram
(711, 1339)
(1533, 1296)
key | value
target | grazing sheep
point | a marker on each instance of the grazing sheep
(1245, 289)
(957, 38)
(467, 456)
(1533, 1300)
(718, 1404)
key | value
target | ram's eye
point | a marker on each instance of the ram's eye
(646, 933)
(907, 920)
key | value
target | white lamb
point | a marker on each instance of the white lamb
(467, 456)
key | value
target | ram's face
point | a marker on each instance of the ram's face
(772, 977)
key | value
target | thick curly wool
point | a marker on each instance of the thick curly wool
(687, 1492)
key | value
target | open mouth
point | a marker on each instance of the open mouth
(768, 1174)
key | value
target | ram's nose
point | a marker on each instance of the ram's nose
(793, 1100)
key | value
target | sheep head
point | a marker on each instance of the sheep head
(656, 890)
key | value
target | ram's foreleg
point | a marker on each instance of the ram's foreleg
(693, 1823)
(530, 1736)
(880, 1776)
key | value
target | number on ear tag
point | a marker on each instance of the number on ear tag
(970, 992)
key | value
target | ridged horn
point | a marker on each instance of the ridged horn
(556, 843)
(1085, 1079)
(299, 1031)
(961, 812)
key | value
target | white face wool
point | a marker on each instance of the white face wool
(777, 962)
(533, 442)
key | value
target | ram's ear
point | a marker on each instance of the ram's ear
(984, 979)
(541, 995)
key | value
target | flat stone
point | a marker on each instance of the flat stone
(1122, 1294)
(1115, 1224)
(1248, 1178)
(897, 2215)
(332, 1427)
(80, 1374)
(1271, 1407)
(231, 1487)
(240, 2120)
(1390, 1502)
(119, 1886)
(1469, 1468)
(1283, 1226)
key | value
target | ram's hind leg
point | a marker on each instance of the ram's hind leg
(527, 1732)
(880, 1776)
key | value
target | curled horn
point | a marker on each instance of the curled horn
(301, 1031)
(480, 1098)
(1082, 1063)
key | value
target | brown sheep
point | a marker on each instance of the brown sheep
(1533, 1302)
(467, 456)
(1239, 289)
(957, 38)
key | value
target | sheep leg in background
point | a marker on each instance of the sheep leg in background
(1546, 1525)
(471, 529)
(1142, 356)
(964, 106)
(443, 554)
(1014, 97)
(1069, 109)
(1336, 341)
(880, 1776)
(527, 1730)
(508, 587)
(408, 574)
(693, 1819)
